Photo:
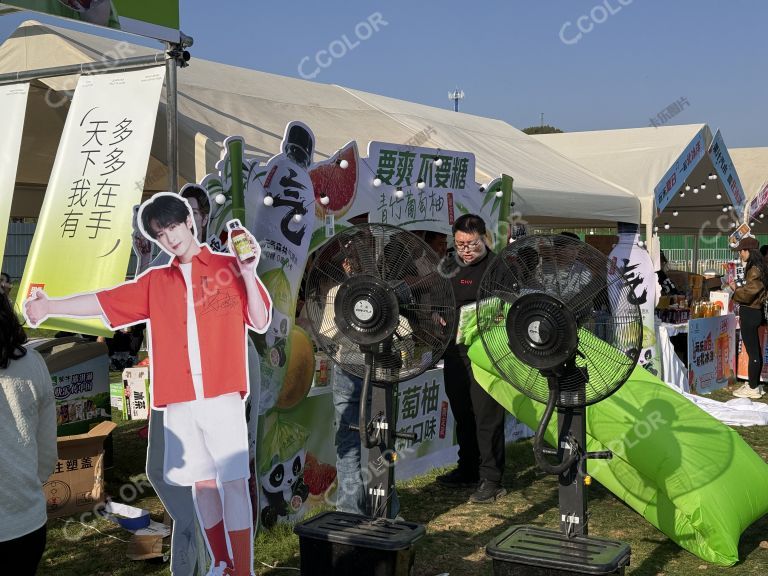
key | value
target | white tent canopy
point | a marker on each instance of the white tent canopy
(216, 101)
(638, 159)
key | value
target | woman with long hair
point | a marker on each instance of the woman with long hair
(27, 444)
(750, 297)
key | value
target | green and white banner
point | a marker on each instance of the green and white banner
(423, 409)
(153, 18)
(423, 188)
(83, 237)
(13, 106)
(407, 186)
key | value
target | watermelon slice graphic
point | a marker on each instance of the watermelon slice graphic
(318, 476)
(337, 183)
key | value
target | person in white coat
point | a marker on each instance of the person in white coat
(27, 445)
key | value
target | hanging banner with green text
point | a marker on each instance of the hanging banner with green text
(83, 237)
(153, 18)
(425, 188)
(13, 105)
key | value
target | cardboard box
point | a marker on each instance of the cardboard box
(148, 535)
(712, 284)
(149, 542)
(680, 279)
(80, 379)
(696, 285)
(77, 483)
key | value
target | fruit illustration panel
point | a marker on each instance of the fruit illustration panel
(296, 460)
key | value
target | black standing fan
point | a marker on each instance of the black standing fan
(558, 323)
(380, 309)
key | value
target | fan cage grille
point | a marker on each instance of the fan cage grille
(608, 318)
(408, 268)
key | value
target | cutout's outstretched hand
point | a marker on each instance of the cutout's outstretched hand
(36, 308)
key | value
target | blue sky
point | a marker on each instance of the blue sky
(514, 58)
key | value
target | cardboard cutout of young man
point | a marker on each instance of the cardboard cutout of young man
(199, 382)
(188, 555)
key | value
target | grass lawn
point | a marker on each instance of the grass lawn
(457, 532)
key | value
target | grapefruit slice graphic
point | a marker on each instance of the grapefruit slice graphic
(337, 183)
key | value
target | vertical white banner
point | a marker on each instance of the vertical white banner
(634, 263)
(83, 237)
(422, 409)
(13, 106)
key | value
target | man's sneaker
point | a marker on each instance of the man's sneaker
(745, 391)
(457, 478)
(487, 492)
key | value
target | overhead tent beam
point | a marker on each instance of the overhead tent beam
(171, 59)
(98, 67)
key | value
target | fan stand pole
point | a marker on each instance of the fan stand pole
(571, 422)
(377, 435)
(381, 465)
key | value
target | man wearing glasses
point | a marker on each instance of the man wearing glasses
(479, 418)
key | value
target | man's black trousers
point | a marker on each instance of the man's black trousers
(479, 419)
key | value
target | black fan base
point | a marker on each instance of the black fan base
(345, 544)
(534, 551)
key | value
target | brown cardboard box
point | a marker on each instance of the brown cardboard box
(696, 283)
(680, 279)
(77, 483)
(711, 284)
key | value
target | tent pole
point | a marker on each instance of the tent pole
(171, 120)
(97, 67)
(695, 254)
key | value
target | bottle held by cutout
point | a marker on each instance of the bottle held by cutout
(240, 242)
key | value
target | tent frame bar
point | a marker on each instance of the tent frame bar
(175, 57)
(97, 67)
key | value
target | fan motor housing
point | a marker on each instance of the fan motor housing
(542, 331)
(366, 310)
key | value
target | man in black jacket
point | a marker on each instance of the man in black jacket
(479, 418)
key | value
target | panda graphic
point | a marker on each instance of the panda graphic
(281, 469)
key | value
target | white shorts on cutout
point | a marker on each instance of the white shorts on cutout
(206, 439)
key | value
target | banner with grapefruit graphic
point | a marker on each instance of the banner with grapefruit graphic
(426, 188)
(335, 182)
(407, 186)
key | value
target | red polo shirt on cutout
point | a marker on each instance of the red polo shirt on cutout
(221, 309)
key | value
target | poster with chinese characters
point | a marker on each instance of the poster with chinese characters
(758, 202)
(711, 352)
(13, 106)
(136, 386)
(83, 237)
(721, 160)
(422, 409)
(678, 173)
(437, 186)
